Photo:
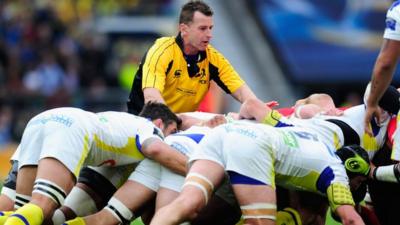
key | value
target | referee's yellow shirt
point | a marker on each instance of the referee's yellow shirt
(165, 68)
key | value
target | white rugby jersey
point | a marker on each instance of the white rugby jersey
(118, 138)
(187, 141)
(308, 164)
(332, 135)
(392, 30)
(353, 117)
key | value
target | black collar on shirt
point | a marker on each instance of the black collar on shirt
(191, 60)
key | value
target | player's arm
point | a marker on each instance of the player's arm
(189, 121)
(349, 215)
(157, 150)
(342, 204)
(254, 109)
(389, 173)
(381, 77)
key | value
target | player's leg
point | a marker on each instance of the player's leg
(8, 193)
(250, 165)
(23, 185)
(7, 196)
(95, 187)
(58, 148)
(170, 186)
(257, 202)
(199, 184)
(303, 208)
(140, 188)
(52, 182)
(121, 206)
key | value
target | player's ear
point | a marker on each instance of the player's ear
(158, 122)
(183, 28)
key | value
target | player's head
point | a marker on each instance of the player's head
(324, 101)
(195, 26)
(155, 111)
(188, 10)
(355, 160)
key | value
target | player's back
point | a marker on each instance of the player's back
(304, 162)
(187, 141)
(118, 138)
(353, 117)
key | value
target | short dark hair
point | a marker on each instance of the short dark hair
(191, 7)
(156, 110)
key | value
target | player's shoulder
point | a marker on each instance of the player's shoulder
(164, 42)
(213, 53)
(394, 9)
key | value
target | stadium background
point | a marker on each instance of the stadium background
(84, 53)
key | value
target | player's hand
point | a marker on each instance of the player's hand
(233, 115)
(371, 171)
(215, 121)
(371, 112)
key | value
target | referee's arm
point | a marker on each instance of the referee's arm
(152, 95)
(243, 93)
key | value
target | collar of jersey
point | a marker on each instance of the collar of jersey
(179, 41)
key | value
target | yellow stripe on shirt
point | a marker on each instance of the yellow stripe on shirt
(129, 149)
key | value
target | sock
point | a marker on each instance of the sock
(76, 221)
(58, 217)
(29, 214)
(288, 216)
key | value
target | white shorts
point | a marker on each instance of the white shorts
(247, 149)
(148, 173)
(63, 134)
(171, 180)
(116, 175)
(152, 175)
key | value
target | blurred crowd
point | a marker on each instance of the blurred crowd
(51, 56)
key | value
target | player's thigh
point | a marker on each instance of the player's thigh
(133, 194)
(147, 173)
(248, 194)
(257, 203)
(165, 196)
(200, 182)
(171, 180)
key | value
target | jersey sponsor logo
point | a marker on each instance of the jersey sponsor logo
(242, 131)
(180, 148)
(62, 119)
(290, 140)
(306, 135)
(186, 91)
(390, 24)
(202, 75)
(357, 164)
